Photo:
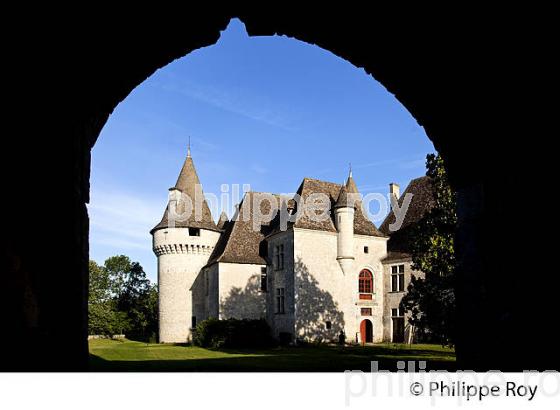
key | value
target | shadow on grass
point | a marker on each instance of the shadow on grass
(290, 359)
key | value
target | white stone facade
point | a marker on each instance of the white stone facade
(321, 299)
(316, 289)
(308, 286)
(180, 260)
(239, 291)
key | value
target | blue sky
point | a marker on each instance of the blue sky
(264, 111)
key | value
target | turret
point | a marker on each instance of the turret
(344, 210)
(182, 242)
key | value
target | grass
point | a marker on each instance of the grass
(127, 355)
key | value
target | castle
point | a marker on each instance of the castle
(310, 279)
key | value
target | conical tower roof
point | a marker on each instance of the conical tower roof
(344, 199)
(351, 185)
(189, 186)
(348, 195)
(223, 220)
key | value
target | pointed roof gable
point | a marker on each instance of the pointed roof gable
(362, 225)
(421, 203)
(243, 239)
(223, 220)
(189, 185)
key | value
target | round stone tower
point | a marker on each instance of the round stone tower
(344, 210)
(183, 242)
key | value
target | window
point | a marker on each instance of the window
(263, 280)
(328, 325)
(366, 249)
(366, 312)
(398, 326)
(194, 231)
(280, 299)
(207, 282)
(397, 278)
(365, 282)
(193, 322)
(398, 312)
(279, 260)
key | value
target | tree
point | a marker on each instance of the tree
(98, 283)
(431, 301)
(121, 299)
(101, 309)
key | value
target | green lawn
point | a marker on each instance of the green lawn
(112, 355)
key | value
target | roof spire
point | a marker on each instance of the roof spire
(189, 185)
(189, 148)
(350, 184)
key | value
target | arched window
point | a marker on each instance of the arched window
(365, 284)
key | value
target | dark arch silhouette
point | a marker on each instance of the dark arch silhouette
(451, 78)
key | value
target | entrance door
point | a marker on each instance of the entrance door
(366, 331)
(398, 330)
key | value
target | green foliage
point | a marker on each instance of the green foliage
(433, 237)
(232, 333)
(121, 299)
(431, 301)
(98, 283)
(117, 268)
(104, 319)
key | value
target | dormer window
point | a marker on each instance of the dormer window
(194, 231)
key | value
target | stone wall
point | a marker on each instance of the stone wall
(393, 299)
(281, 278)
(323, 293)
(212, 299)
(112, 337)
(180, 259)
(240, 296)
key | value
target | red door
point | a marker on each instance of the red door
(366, 331)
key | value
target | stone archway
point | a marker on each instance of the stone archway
(74, 94)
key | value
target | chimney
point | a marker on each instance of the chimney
(395, 189)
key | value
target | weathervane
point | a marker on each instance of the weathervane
(189, 148)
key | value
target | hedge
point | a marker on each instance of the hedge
(232, 333)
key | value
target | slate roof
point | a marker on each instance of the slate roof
(396, 257)
(240, 242)
(189, 184)
(362, 225)
(351, 185)
(421, 203)
(222, 222)
(344, 199)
